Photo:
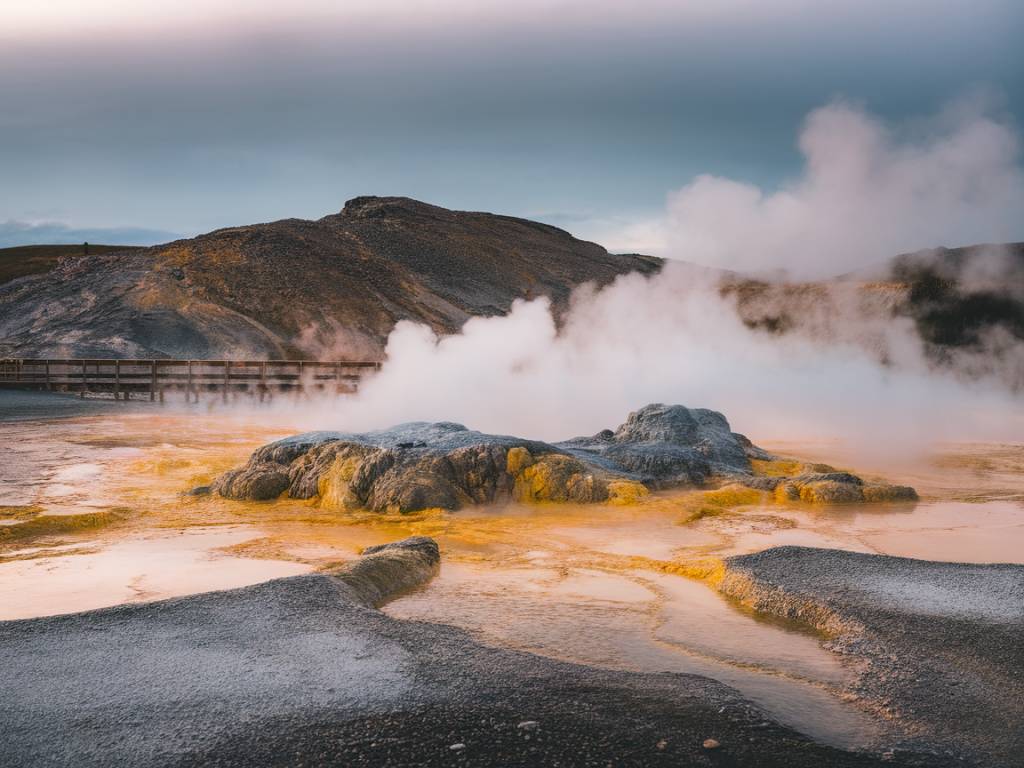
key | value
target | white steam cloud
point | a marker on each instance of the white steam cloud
(867, 193)
(674, 338)
(667, 339)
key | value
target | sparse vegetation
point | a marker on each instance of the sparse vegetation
(36, 259)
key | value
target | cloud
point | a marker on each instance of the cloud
(866, 193)
(14, 233)
(506, 107)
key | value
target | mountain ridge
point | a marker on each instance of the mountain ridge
(333, 287)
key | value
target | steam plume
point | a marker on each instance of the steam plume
(675, 338)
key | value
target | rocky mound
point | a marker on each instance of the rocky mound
(819, 484)
(332, 288)
(387, 570)
(942, 641)
(419, 465)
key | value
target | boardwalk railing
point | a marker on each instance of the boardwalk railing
(124, 378)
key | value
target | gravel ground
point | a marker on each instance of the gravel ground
(17, 405)
(300, 671)
(944, 641)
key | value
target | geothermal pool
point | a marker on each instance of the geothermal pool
(92, 514)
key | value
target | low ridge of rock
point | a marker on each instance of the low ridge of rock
(830, 487)
(422, 465)
(444, 465)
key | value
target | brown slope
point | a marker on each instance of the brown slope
(22, 260)
(328, 288)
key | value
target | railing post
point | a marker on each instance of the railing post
(227, 378)
(188, 384)
(152, 380)
(47, 369)
(117, 380)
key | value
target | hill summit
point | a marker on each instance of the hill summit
(331, 288)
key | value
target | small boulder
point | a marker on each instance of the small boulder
(831, 492)
(256, 482)
(884, 493)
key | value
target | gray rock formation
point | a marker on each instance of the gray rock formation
(668, 445)
(387, 570)
(416, 466)
(419, 465)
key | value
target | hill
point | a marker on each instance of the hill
(331, 288)
(36, 259)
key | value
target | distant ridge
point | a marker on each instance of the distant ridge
(966, 305)
(295, 288)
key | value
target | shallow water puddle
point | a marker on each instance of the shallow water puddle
(130, 570)
(701, 620)
(953, 531)
(648, 623)
(992, 532)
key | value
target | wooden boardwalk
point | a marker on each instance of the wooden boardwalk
(153, 378)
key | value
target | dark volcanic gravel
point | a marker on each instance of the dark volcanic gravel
(945, 641)
(295, 672)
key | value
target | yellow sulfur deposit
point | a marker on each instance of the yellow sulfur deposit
(517, 460)
(19, 512)
(775, 467)
(732, 495)
(49, 525)
(553, 477)
(624, 492)
(333, 488)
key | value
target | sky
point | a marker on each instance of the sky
(139, 121)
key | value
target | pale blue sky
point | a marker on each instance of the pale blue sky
(580, 114)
